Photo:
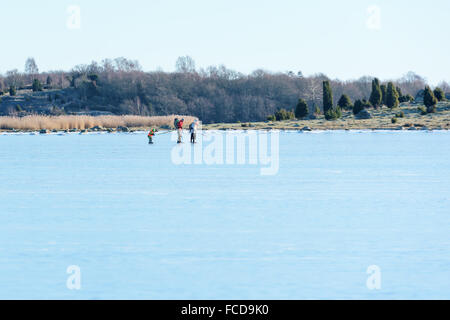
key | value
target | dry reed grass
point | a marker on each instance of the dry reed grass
(36, 122)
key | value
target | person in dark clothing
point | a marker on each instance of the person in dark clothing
(193, 130)
(150, 136)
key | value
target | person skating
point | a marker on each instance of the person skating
(179, 126)
(150, 136)
(193, 130)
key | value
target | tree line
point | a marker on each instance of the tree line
(214, 94)
(381, 95)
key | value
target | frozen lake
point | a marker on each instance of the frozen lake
(141, 227)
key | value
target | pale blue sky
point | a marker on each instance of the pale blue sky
(312, 36)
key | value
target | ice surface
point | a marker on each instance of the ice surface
(141, 227)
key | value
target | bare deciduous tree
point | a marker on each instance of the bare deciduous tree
(31, 67)
(313, 92)
(185, 65)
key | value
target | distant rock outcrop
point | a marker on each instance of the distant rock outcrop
(419, 96)
(363, 114)
(123, 129)
(97, 128)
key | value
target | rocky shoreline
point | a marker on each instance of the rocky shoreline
(246, 128)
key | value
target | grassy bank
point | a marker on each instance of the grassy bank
(381, 119)
(35, 123)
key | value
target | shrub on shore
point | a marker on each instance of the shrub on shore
(301, 110)
(333, 113)
(317, 111)
(406, 98)
(283, 114)
(422, 110)
(37, 85)
(327, 97)
(12, 91)
(429, 100)
(383, 89)
(344, 102)
(439, 94)
(376, 97)
(360, 105)
(392, 96)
